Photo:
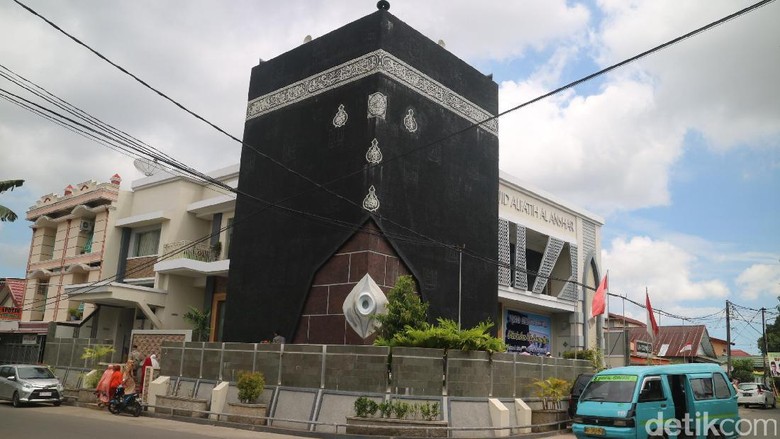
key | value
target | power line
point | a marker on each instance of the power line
(323, 186)
(458, 132)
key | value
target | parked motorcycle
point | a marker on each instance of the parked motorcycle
(122, 403)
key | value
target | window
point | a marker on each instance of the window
(47, 243)
(702, 388)
(652, 390)
(41, 296)
(610, 388)
(722, 387)
(35, 373)
(145, 243)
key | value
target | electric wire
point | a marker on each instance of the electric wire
(456, 133)
(572, 84)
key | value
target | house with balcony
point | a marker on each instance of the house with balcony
(71, 242)
(173, 238)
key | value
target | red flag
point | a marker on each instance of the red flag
(599, 299)
(652, 326)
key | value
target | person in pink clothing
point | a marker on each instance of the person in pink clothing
(104, 385)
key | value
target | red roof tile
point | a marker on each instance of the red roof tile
(16, 286)
(739, 353)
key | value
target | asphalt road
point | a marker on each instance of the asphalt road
(68, 422)
(758, 418)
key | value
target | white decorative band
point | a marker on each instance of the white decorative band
(378, 61)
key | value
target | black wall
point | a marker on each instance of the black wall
(446, 192)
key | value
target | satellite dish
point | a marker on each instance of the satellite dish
(307, 38)
(146, 166)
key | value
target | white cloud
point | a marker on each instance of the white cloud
(609, 148)
(759, 281)
(493, 29)
(725, 88)
(615, 148)
(661, 267)
(609, 151)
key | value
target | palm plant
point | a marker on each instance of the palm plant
(7, 214)
(201, 322)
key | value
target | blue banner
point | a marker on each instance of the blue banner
(531, 331)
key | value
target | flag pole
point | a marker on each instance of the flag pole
(652, 337)
(606, 323)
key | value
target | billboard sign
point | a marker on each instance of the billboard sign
(532, 331)
(774, 364)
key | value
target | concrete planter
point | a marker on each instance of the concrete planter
(251, 414)
(548, 417)
(179, 406)
(396, 427)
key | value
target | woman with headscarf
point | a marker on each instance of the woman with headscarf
(104, 385)
(116, 381)
(147, 363)
(128, 380)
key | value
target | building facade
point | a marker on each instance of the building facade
(71, 245)
(349, 178)
(343, 138)
(550, 255)
(173, 238)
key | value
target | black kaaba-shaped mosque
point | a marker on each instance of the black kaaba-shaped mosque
(361, 162)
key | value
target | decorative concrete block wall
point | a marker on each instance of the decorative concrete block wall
(502, 379)
(417, 371)
(528, 368)
(344, 368)
(468, 373)
(268, 360)
(302, 366)
(361, 368)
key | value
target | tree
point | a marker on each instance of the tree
(742, 370)
(7, 214)
(772, 335)
(201, 322)
(404, 308)
(96, 353)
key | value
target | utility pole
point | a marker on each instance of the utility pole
(728, 338)
(766, 344)
(460, 281)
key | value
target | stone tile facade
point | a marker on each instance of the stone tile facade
(322, 320)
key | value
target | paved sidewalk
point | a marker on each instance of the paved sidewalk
(206, 429)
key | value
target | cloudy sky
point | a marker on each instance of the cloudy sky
(679, 152)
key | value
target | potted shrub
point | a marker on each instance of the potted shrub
(74, 314)
(552, 391)
(247, 411)
(396, 418)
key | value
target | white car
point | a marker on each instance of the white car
(757, 394)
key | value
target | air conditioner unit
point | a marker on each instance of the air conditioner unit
(86, 225)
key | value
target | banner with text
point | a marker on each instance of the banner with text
(531, 331)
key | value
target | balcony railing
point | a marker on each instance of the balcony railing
(10, 313)
(183, 249)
